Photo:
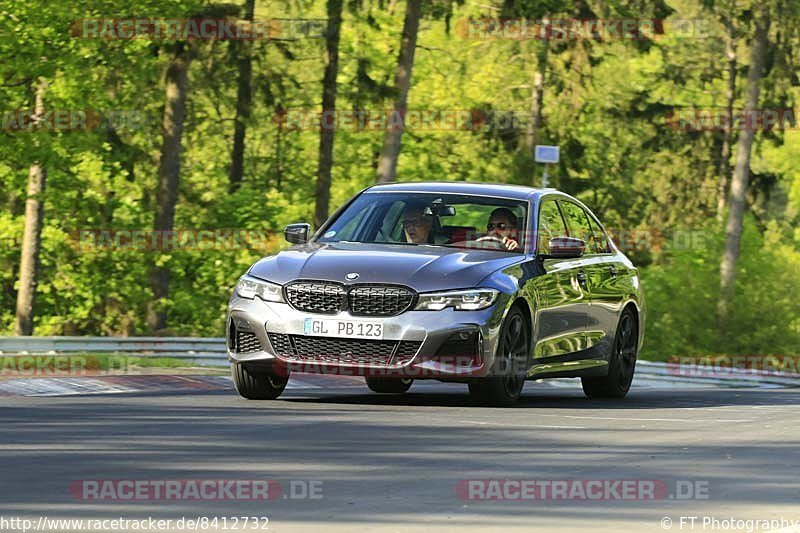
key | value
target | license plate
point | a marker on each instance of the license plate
(352, 329)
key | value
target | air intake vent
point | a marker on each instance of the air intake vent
(307, 349)
(247, 342)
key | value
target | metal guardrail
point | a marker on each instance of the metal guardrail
(211, 351)
(656, 372)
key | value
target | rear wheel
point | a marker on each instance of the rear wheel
(504, 386)
(389, 385)
(622, 364)
(261, 385)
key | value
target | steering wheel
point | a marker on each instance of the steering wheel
(491, 239)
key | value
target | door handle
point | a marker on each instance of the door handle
(613, 271)
(581, 277)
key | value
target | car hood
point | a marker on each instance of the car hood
(424, 268)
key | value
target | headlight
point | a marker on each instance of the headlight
(250, 287)
(467, 300)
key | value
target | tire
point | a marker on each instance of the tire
(504, 387)
(388, 385)
(621, 365)
(257, 385)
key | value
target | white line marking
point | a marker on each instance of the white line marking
(648, 419)
(519, 425)
(299, 384)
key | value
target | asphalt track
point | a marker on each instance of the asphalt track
(393, 463)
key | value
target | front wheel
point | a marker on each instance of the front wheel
(622, 364)
(263, 385)
(504, 386)
(389, 385)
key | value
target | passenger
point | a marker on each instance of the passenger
(417, 226)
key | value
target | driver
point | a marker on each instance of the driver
(503, 226)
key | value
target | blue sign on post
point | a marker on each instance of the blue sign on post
(546, 154)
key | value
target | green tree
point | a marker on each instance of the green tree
(387, 164)
(326, 134)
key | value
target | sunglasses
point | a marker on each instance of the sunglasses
(413, 223)
(500, 225)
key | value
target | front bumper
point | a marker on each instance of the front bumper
(435, 330)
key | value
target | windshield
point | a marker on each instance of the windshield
(413, 219)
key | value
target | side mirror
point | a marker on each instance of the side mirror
(297, 233)
(566, 248)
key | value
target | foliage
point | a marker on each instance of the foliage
(606, 103)
(682, 292)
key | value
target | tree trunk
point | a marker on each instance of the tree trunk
(741, 173)
(32, 234)
(278, 156)
(531, 137)
(326, 132)
(387, 164)
(168, 174)
(244, 97)
(727, 135)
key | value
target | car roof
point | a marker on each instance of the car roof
(502, 190)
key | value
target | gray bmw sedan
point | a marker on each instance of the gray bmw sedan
(482, 284)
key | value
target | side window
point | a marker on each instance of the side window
(599, 243)
(550, 225)
(391, 230)
(350, 230)
(577, 223)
